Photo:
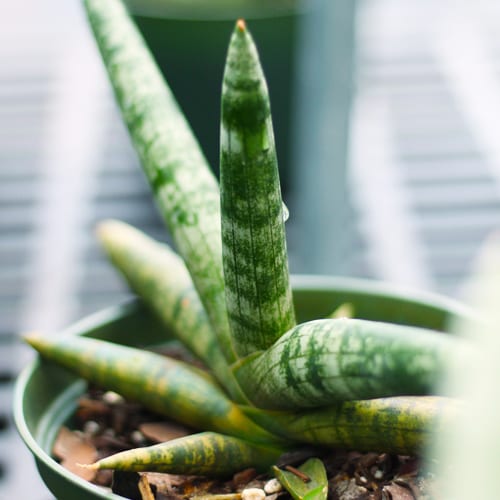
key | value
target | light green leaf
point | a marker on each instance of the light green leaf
(185, 189)
(313, 488)
(345, 310)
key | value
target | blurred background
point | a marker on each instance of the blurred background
(386, 115)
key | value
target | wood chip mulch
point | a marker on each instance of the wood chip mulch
(105, 423)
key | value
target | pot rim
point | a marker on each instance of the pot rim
(105, 315)
(39, 454)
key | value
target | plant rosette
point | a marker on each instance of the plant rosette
(329, 363)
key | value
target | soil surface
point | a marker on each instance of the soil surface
(105, 423)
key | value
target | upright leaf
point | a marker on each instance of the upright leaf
(184, 187)
(258, 292)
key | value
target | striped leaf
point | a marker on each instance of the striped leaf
(207, 454)
(258, 292)
(167, 386)
(159, 276)
(401, 425)
(325, 361)
(184, 187)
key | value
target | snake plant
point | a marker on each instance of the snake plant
(225, 293)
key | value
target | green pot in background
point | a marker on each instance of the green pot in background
(189, 40)
(307, 48)
(46, 395)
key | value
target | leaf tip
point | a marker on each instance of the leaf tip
(104, 227)
(241, 26)
(33, 338)
(94, 466)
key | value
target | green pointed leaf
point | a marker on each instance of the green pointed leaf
(167, 386)
(402, 425)
(345, 310)
(207, 453)
(257, 282)
(315, 488)
(184, 187)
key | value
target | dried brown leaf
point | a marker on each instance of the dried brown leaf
(164, 482)
(73, 449)
(91, 408)
(160, 432)
(243, 477)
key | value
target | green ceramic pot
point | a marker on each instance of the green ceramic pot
(46, 395)
(189, 41)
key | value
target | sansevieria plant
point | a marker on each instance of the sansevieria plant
(225, 293)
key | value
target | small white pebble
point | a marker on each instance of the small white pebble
(137, 438)
(91, 428)
(378, 474)
(112, 398)
(253, 494)
(272, 486)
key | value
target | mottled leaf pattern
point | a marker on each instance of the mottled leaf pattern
(184, 187)
(207, 453)
(325, 361)
(258, 292)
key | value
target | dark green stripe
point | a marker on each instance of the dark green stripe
(324, 361)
